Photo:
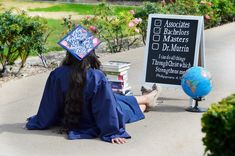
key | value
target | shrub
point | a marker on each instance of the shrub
(119, 32)
(106, 18)
(215, 12)
(20, 35)
(183, 7)
(218, 123)
(148, 8)
(210, 16)
(225, 9)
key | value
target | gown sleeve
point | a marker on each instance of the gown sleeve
(48, 113)
(107, 115)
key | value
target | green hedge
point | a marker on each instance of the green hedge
(215, 12)
(20, 36)
(218, 123)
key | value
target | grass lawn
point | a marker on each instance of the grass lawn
(57, 29)
(55, 26)
(81, 9)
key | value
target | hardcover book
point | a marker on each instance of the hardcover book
(118, 84)
(124, 91)
(115, 66)
(116, 73)
(117, 77)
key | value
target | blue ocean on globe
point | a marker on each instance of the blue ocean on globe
(196, 82)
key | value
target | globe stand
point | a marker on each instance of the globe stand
(196, 108)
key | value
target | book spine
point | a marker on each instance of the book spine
(122, 91)
(115, 73)
(115, 70)
(117, 77)
(118, 85)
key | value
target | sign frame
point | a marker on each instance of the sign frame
(199, 42)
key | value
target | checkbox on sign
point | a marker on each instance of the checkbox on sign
(155, 46)
(157, 30)
(156, 38)
(158, 22)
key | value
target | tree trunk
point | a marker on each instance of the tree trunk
(3, 71)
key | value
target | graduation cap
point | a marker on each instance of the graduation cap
(79, 42)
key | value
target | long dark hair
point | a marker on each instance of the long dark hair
(74, 95)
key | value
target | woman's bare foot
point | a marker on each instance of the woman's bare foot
(145, 90)
(149, 97)
(152, 98)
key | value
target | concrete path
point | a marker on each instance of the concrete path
(167, 131)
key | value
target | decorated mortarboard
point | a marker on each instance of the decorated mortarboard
(79, 42)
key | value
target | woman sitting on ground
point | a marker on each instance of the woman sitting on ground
(78, 96)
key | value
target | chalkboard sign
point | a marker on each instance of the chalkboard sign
(173, 43)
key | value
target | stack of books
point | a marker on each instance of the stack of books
(117, 74)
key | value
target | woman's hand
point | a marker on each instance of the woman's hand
(119, 140)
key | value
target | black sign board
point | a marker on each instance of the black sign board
(173, 43)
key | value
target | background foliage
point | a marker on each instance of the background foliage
(215, 12)
(218, 123)
(118, 26)
(118, 32)
(20, 36)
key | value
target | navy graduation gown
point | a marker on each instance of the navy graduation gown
(104, 113)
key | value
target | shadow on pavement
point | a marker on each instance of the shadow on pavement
(168, 109)
(18, 128)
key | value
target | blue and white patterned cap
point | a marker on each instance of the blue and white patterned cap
(79, 42)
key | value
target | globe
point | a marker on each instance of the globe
(196, 82)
